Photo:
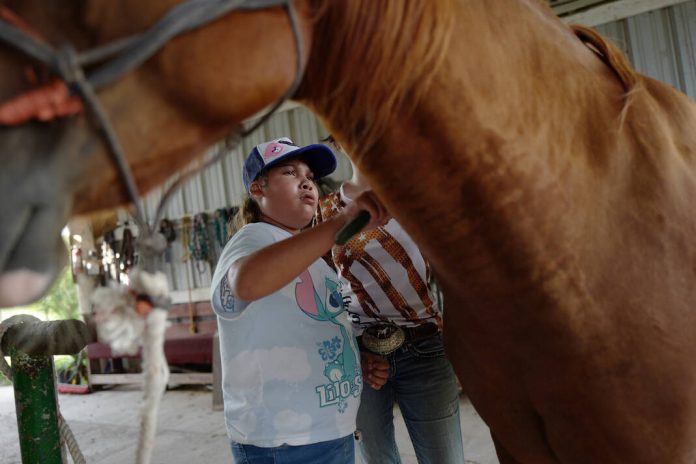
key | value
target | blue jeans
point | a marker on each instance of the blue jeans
(422, 381)
(339, 451)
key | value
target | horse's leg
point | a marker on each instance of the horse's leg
(504, 457)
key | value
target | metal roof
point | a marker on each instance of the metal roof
(565, 7)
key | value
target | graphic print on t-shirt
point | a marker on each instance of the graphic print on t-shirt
(342, 368)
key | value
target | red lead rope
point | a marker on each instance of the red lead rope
(45, 103)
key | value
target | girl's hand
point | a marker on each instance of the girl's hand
(375, 369)
(369, 202)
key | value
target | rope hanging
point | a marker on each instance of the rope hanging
(155, 378)
(127, 253)
(186, 226)
(167, 230)
(199, 244)
(120, 323)
(221, 220)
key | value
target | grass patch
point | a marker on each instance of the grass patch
(4, 380)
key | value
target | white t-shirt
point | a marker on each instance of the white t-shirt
(290, 363)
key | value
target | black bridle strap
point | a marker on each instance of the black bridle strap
(27, 44)
(233, 139)
(134, 50)
(181, 19)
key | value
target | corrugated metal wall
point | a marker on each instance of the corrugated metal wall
(564, 7)
(661, 44)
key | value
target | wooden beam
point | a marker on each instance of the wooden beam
(188, 378)
(183, 296)
(620, 9)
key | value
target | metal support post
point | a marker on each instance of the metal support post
(31, 345)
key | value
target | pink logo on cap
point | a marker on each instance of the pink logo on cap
(273, 150)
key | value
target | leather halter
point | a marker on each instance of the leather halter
(119, 57)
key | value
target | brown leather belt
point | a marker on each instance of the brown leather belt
(384, 338)
(419, 332)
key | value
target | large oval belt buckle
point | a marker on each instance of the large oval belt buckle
(383, 338)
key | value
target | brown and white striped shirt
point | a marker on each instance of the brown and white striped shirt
(383, 272)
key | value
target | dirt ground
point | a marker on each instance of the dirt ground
(105, 424)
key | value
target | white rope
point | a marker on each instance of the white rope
(118, 325)
(155, 367)
(155, 377)
(66, 435)
(68, 439)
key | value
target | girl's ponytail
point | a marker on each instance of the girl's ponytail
(248, 212)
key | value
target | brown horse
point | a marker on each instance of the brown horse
(550, 185)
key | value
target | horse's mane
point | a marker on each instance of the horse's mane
(610, 54)
(372, 60)
(615, 59)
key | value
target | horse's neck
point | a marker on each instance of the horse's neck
(487, 148)
(514, 75)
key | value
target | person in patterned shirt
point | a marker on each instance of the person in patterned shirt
(394, 314)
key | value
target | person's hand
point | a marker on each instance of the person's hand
(375, 369)
(368, 201)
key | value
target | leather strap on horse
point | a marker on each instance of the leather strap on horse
(8, 16)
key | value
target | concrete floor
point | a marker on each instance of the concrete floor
(105, 424)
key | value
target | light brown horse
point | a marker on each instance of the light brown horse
(550, 185)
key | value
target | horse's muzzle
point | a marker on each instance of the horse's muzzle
(41, 166)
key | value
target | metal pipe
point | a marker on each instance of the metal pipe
(31, 344)
(36, 405)
(34, 337)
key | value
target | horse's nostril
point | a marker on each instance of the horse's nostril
(22, 286)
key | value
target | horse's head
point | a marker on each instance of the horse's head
(190, 93)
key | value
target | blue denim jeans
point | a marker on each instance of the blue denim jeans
(339, 451)
(423, 383)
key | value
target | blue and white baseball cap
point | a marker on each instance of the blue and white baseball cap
(318, 157)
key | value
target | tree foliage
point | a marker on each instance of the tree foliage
(61, 301)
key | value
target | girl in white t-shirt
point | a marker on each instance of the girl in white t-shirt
(290, 364)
